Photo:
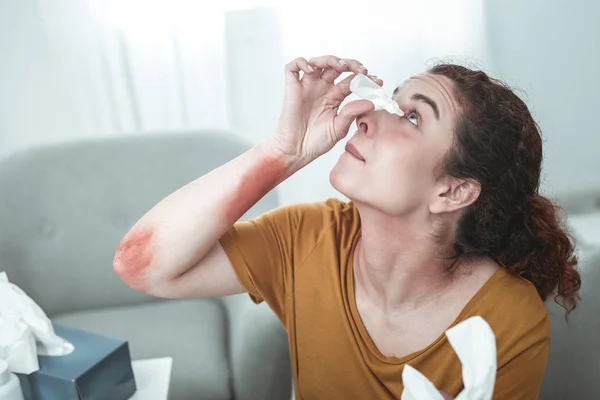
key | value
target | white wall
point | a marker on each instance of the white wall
(67, 73)
(33, 101)
(551, 50)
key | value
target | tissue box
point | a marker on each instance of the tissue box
(99, 368)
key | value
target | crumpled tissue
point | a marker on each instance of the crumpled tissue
(475, 345)
(25, 330)
(366, 89)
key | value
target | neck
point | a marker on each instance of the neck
(398, 262)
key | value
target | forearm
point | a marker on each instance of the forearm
(181, 229)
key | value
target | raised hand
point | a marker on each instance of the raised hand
(310, 124)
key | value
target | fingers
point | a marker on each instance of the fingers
(330, 67)
(293, 68)
(351, 111)
(330, 74)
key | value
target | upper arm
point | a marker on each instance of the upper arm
(265, 251)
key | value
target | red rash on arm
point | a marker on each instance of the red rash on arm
(134, 254)
(254, 184)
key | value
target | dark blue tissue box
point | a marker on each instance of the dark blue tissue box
(99, 368)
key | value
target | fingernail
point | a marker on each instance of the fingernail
(310, 68)
(362, 67)
(342, 62)
(374, 77)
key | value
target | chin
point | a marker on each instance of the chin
(336, 177)
(343, 181)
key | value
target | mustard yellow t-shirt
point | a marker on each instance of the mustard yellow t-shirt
(299, 260)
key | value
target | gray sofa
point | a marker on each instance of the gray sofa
(573, 370)
(64, 209)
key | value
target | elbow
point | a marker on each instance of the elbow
(130, 273)
(127, 273)
(133, 259)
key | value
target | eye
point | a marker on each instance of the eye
(413, 118)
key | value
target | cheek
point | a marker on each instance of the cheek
(407, 161)
(399, 154)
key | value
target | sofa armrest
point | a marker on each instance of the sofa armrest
(258, 351)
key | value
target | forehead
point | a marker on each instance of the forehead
(427, 84)
(437, 87)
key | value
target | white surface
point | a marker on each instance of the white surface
(152, 377)
(10, 387)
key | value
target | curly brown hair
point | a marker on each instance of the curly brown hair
(498, 144)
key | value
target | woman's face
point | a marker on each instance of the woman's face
(401, 155)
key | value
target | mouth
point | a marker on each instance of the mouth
(353, 151)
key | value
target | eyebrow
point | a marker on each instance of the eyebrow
(425, 99)
(429, 101)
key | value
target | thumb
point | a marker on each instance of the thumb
(347, 115)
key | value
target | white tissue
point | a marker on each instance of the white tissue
(366, 89)
(25, 330)
(475, 345)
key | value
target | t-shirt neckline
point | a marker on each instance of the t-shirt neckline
(366, 338)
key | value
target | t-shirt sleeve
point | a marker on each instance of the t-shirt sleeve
(265, 251)
(521, 377)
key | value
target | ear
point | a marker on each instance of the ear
(455, 194)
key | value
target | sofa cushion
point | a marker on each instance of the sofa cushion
(193, 332)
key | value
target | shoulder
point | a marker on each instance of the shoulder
(329, 224)
(522, 300)
(516, 313)
(315, 214)
(331, 208)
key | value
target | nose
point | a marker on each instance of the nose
(367, 123)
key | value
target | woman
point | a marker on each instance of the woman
(445, 222)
